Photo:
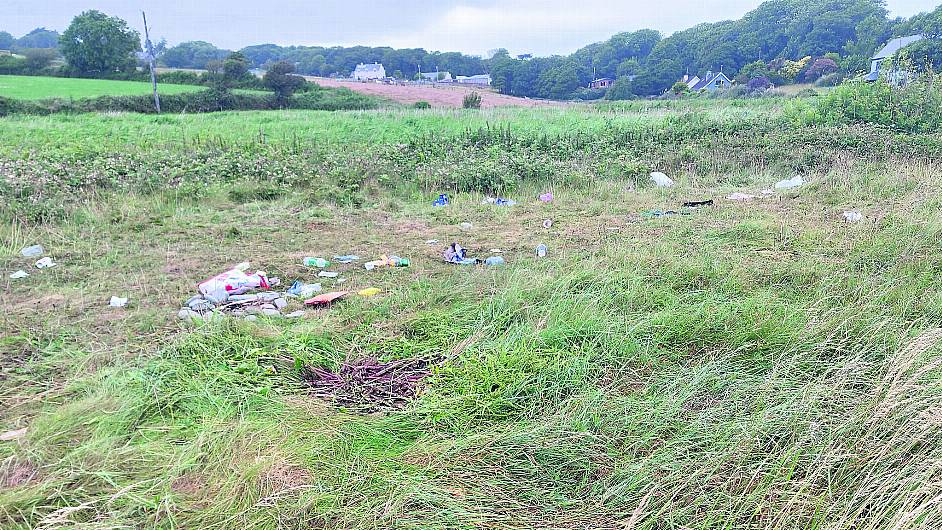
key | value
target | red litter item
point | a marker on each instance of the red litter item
(326, 298)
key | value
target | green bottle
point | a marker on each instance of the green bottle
(316, 262)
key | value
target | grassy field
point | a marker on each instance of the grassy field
(36, 87)
(749, 365)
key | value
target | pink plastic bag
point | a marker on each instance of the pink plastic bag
(547, 197)
(234, 281)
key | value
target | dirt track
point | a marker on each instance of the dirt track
(436, 95)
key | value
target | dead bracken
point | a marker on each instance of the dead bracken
(368, 384)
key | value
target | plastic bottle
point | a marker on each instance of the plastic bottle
(316, 262)
(541, 250)
(494, 261)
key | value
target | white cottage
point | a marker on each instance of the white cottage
(369, 72)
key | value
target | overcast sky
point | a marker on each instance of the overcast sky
(541, 27)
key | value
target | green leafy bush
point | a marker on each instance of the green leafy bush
(912, 108)
(421, 105)
(472, 101)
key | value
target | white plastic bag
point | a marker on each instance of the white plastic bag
(234, 281)
(661, 180)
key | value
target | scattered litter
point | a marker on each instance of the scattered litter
(45, 263)
(327, 274)
(698, 204)
(117, 301)
(466, 226)
(431, 242)
(661, 180)
(32, 252)
(739, 196)
(327, 298)
(368, 292)
(662, 213)
(456, 254)
(547, 197)
(541, 250)
(350, 258)
(853, 217)
(547, 223)
(219, 288)
(9, 436)
(442, 200)
(19, 274)
(368, 384)
(793, 182)
(496, 251)
(494, 261)
(768, 192)
(303, 290)
(387, 261)
(498, 201)
(341, 280)
(316, 262)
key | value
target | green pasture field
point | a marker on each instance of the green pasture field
(747, 365)
(37, 87)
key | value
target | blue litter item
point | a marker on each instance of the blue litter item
(494, 261)
(504, 202)
(346, 259)
(442, 200)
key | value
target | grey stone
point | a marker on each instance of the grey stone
(268, 296)
(268, 306)
(253, 310)
(280, 303)
(296, 314)
(271, 312)
(200, 305)
(243, 298)
(188, 314)
(250, 318)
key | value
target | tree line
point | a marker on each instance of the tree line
(779, 42)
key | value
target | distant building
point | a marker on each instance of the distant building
(369, 72)
(710, 82)
(602, 82)
(888, 51)
(480, 79)
(690, 80)
(5, 53)
(437, 77)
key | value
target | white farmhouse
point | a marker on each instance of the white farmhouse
(369, 72)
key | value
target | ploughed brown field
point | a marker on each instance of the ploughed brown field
(436, 95)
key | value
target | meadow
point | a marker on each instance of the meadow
(37, 87)
(746, 365)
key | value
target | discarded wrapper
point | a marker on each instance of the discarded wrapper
(326, 298)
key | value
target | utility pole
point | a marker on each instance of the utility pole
(151, 60)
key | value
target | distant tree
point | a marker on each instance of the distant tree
(235, 69)
(679, 88)
(752, 71)
(38, 38)
(214, 68)
(96, 44)
(820, 67)
(39, 58)
(398, 74)
(628, 67)
(440, 76)
(620, 89)
(759, 84)
(192, 54)
(281, 80)
(6, 41)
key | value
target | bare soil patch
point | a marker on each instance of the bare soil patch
(436, 95)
